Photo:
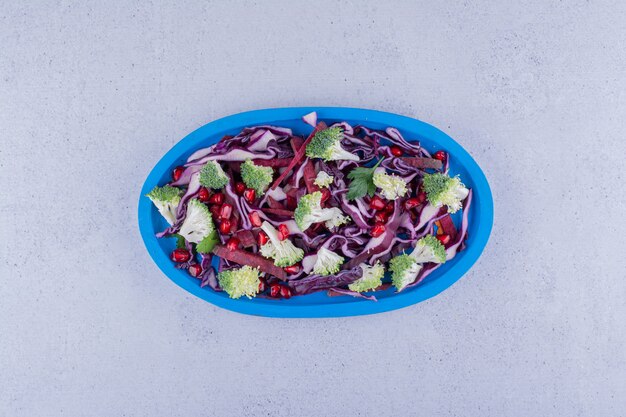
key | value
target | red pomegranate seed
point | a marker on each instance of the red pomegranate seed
(377, 230)
(225, 226)
(285, 291)
(262, 238)
(194, 270)
(226, 211)
(203, 195)
(325, 194)
(217, 198)
(440, 155)
(177, 173)
(255, 218)
(444, 239)
(283, 231)
(261, 285)
(240, 187)
(233, 243)
(249, 194)
(411, 203)
(377, 203)
(395, 151)
(293, 269)
(180, 255)
(381, 217)
(215, 211)
(274, 290)
(421, 197)
(389, 207)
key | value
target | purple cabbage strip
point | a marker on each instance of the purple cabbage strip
(452, 249)
(314, 283)
(353, 294)
(186, 176)
(353, 212)
(207, 276)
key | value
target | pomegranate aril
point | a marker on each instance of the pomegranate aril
(381, 217)
(233, 243)
(177, 173)
(395, 151)
(262, 238)
(283, 232)
(226, 211)
(225, 226)
(293, 269)
(217, 198)
(255, 218)
(440, 155)
(377, 203)
(249, 194)
(203, 195)
(194, 270)
(180, 255)
(444, 239)
(285, 291)
(377, 230)
(215, 211)
(262, 286)
(411, 203)
(240, 187)
(274, 290)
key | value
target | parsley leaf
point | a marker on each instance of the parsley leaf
(180, 241)
(362, 182)
(206, 245)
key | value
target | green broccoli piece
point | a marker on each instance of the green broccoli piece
(240, 282)
(198, 222)
(323, 179)
(255, 176)
(283, 252)
(327, 262)
(326, 144)
(213, 176)
(391, 186)
(404, 268)
(372, 277)
(310, 211)
(443, 190)
(166, 200)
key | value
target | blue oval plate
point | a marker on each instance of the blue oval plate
(319, 304)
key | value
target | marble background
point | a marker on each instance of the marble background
(92, 94)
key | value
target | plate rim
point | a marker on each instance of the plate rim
(275, 308)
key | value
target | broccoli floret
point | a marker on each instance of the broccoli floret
(240, 282)
(404, 268)
(255, 176)
(310, 211)
(443, 190)
(166, 200)
(327, 262)
(283, 252)
(326, 144)
(429, 249)
(213, 176)
(323, 179)
(391, 186)
(372, 277)
(198, 223)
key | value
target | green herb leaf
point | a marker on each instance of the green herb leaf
(206, 245)
(362, 182)
(180, 241)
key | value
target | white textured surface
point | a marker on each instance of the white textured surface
(91, 96)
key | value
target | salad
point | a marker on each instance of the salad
(333, 211)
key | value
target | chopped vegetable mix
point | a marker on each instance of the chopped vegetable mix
(334, 211)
